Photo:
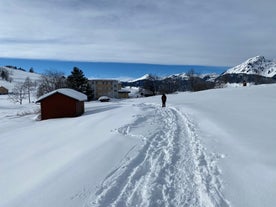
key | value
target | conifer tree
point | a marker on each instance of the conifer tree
(79, 82)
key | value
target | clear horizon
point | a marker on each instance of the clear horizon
(115, 70)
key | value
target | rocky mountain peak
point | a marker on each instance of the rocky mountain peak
(258, 65)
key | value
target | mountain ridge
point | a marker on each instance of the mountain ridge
(258, 65)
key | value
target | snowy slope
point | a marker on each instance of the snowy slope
(18, 76)
(257, 65)
(208, 149)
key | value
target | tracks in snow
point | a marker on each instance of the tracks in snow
(171, 168)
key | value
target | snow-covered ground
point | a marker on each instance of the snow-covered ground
(210, 148)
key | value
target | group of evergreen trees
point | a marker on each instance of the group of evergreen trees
(5, 75)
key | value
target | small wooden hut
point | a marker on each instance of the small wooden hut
(60, 103)
(3, 90)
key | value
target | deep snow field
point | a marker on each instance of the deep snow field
(213, 148)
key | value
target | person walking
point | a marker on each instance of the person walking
(164, 99)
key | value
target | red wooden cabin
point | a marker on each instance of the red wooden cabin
(60, 103)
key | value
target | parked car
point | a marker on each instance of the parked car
(104, 99)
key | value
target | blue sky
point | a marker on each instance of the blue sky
(122, 71)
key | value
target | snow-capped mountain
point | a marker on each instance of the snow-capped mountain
(151, 77)
(179, 76)
(172, 83)
(258, 65)
(145, 77)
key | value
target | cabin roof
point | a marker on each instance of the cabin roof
(67, 92)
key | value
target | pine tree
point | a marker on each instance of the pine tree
(89, 92)
(5, 75)
(79, 82)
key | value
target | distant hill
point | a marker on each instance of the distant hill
(256, 70)
(16, 76)
(180, 76)
(172, 83)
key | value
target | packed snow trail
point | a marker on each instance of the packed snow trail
(171, 168)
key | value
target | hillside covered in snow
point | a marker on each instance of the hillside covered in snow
(214, 148)
(16, 76)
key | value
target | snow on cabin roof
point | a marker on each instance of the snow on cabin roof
(67, 92)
